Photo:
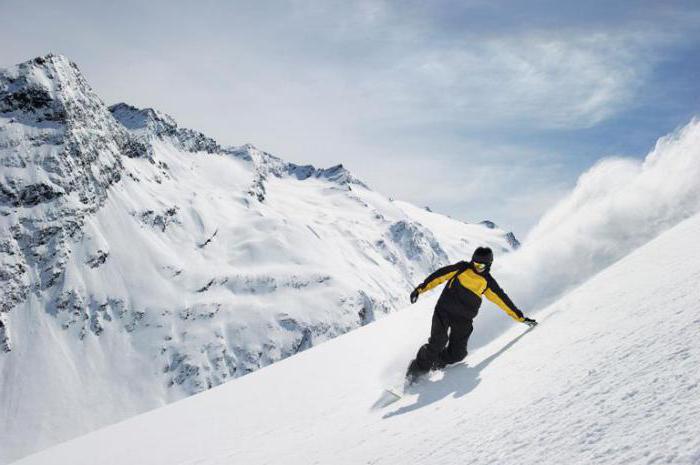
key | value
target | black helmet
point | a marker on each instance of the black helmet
(483, 255)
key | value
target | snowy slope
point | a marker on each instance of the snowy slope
(610, 376)
(141, 262)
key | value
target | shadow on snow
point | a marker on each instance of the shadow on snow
(458, 380)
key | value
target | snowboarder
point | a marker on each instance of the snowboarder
(458, 305)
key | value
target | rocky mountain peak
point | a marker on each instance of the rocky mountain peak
(510, 237)
(73, 144)
(48, 88)
(270, 164)
(135, 119)
(60, 151)
(148, 123)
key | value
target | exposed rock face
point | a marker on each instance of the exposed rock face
(513, 241)
(148, 123)
(4, 337)
(268, 165)
(418, 244)
(60, 150)
(58, 139)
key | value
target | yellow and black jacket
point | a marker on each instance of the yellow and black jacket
(462, 293)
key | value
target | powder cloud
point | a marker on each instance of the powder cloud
(616, 206)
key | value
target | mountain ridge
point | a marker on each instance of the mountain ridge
(142, 262)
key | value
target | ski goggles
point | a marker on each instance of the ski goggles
(480, 266)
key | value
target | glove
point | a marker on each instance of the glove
(414, 296)
(530, 322)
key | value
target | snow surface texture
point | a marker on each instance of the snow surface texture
(141, 262)
(609, 377)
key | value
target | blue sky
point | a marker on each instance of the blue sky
(478, 109)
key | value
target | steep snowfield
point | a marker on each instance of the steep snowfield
(610, 376)
(141, 262)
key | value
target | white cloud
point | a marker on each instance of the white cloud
(537, 81)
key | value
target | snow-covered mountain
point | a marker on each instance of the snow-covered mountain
(141, 262)
(609, 377)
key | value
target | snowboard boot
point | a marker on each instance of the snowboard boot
(413, 373)
(439, 365)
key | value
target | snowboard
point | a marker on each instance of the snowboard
(394, 392)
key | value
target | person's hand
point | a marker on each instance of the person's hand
(414, 296)
(530, 322)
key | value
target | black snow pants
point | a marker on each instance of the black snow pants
(449, 335)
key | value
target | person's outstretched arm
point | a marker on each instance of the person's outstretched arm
(496, 295)
(436, 278)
